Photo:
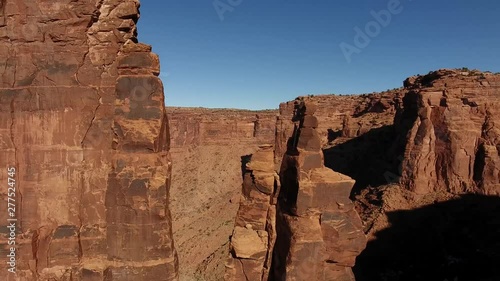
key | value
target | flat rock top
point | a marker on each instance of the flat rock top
(326, 175)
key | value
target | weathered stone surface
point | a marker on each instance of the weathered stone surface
(249, 244)
(310, 122)
(254, 235)
(83, 121)
(316, 221)
(308, 252)
(343, 236)
(448, 126)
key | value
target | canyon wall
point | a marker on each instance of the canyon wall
(84, 126)
(203, 126)
(440, 222)
(449, 125)
(209, 149)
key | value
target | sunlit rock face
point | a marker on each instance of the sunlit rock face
(254, 234)
(449, 126)
(319, 233)
(83, 121)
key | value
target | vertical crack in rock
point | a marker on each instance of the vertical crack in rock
(244, 270)
(93, 20)
(15, 75)
(84, 57)
(80, 221)
(99, 100)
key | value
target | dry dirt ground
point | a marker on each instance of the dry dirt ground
(204, 198)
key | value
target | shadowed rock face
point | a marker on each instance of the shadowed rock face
(451, 134)
(448, 239)
(83, 121)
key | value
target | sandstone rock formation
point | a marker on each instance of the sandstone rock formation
(341, 117)
(448, 125)
(319, 234)
(357, 135)
(254, 233)
(208, 147)
(83, 122)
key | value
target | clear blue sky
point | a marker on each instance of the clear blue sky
(268, 51)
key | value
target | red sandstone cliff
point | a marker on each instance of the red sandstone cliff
(449, 125)
(203, 126)
(83, 122)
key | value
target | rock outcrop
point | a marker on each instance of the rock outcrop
(341, 118)
(83, 121)
(254, 233)
(450, 132)
(357, 135)
(319, 233)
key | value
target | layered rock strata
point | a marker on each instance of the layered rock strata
(254, 233)
(205, 126)
(450, 134)
(319, 234)
(83, 122)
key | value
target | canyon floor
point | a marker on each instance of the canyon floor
(203, 205)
